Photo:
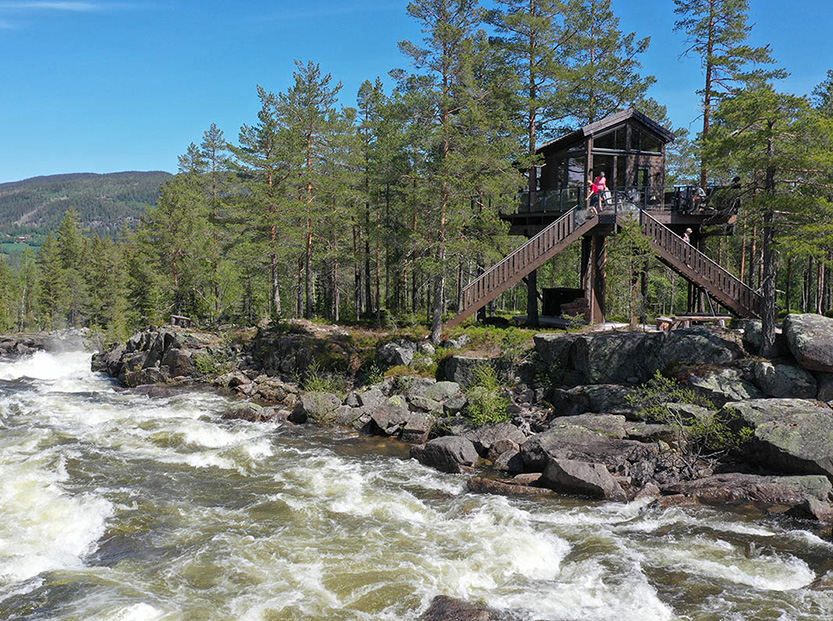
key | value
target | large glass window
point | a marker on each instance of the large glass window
(613, 139)
(575, 172)
(644, 141)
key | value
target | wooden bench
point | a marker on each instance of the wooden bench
(181, 321)
(685, 321)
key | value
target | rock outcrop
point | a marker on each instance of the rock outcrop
(791, 436)
(810, 339)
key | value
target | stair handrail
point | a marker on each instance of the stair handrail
(520, 249)
(680, 246)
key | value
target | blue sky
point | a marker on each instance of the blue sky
(105, 86)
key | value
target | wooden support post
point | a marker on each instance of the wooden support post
(532, 298)
(596, 278)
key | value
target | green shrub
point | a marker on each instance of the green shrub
(697, 436)
(315, 380)
(213, 363)
(486, 405)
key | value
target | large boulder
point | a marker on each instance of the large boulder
(451, 454)
(597, 398)
(315, 407)
(396, 353)
(109, 361)
(461, 369)
(609, 425)
(626, 458)
(721, 386)
(629, 357)
(585, 479)
(488, 437)
(428, 395)
(393, 419)
(753, 338)
(810, 338)
(784, 380)
(792, 436)
(806, 496)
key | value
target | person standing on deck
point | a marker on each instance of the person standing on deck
(598, 188)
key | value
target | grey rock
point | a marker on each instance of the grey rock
(461, 369)
(573, 442)
(586, 479)
(721, 386)
(347, 416)
(371, 398)
(825, 387)
(444, 608)
(486, 436)
(394, 419)
(801, 496)
(510, 461)
(454, 406)
(426, 348)
(792, 436)
(396, 353)
(784, 380)
(315, 407)
(752, 338)
(481, 485)
(610, 425)
(810, 338)
(451, 454)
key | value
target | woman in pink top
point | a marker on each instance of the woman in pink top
(598, 188)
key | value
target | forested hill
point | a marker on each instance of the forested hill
(104, 201)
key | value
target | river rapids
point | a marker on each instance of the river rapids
(116, 506)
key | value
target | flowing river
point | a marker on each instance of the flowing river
(117, 506)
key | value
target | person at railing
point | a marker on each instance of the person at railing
(699, 198)
(598, 189)
(687, 236)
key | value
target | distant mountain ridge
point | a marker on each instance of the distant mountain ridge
(105, 202)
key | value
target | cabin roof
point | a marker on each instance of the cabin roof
(606, 123)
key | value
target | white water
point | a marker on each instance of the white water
(117, 506)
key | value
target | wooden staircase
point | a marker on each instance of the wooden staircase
(683, 258)
(512, 268)
(699, 269)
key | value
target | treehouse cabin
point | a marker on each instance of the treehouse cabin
(630, 148)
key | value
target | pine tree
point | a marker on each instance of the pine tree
(603, 63)
(307, 111)
(717, 32)
(265, 159)
(441, 92)
(782, 151)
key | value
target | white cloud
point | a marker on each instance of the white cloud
(75, 7)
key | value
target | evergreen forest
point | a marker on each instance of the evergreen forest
(383, 210)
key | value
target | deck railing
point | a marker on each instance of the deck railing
(680, 198)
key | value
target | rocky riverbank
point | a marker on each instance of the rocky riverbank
(573, 425)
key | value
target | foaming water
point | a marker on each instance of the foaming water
(116, 506)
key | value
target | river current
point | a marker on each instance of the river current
(117, 506)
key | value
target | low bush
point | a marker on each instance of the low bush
(486, 405)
